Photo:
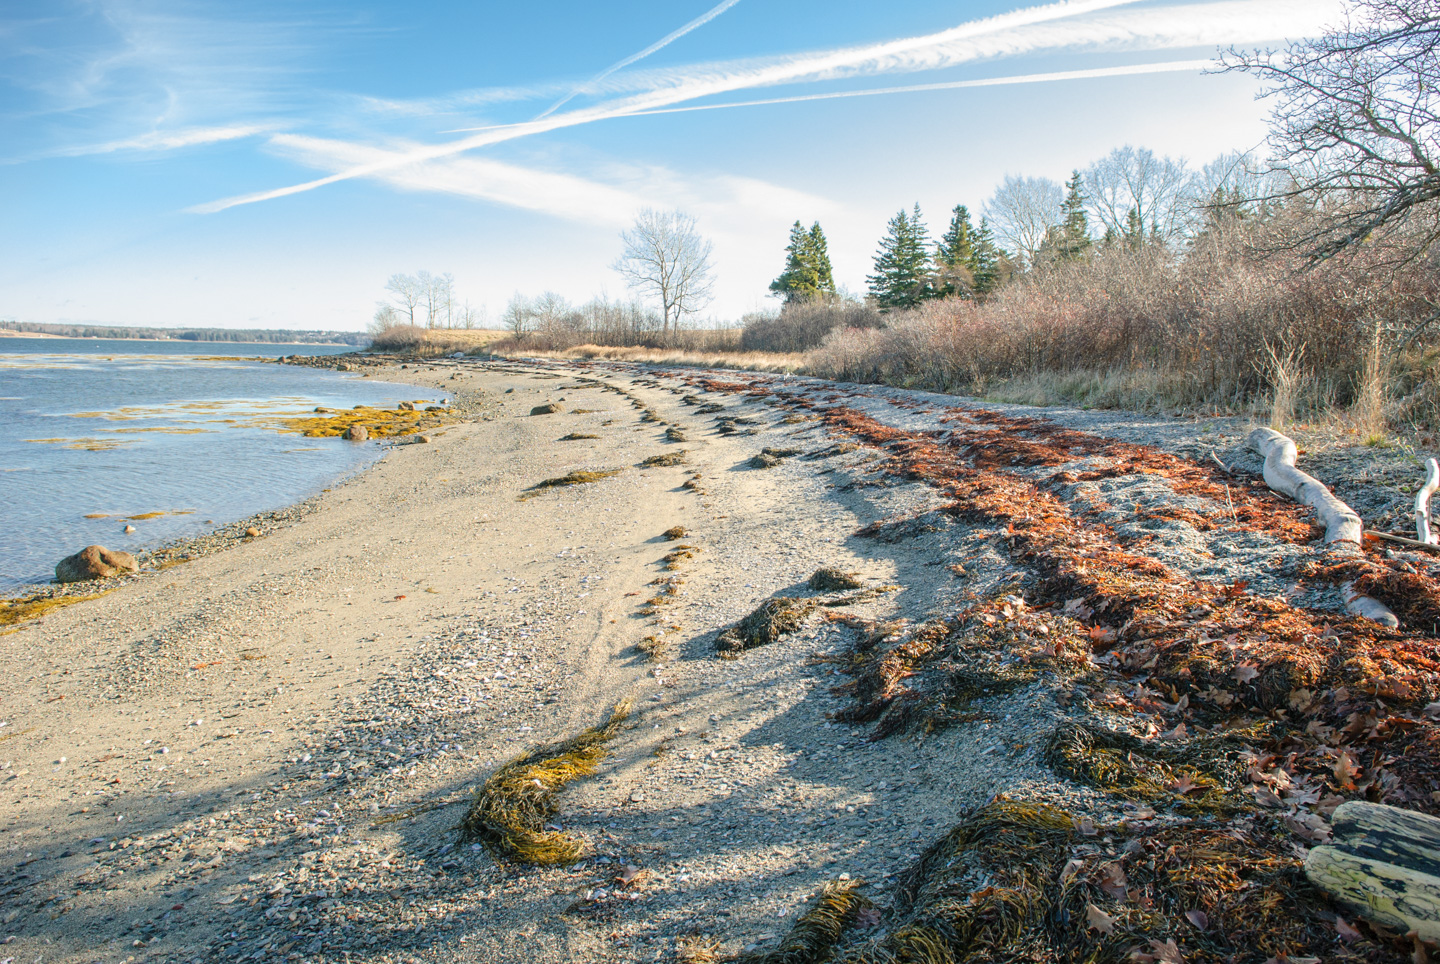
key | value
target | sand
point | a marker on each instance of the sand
(263, 753)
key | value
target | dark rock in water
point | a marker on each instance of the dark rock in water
(406, 406)
(550, 408)
(356, 433)
(94, 562)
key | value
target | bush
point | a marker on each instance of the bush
(802, 325)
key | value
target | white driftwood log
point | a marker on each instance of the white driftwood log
(1422, 503)
(1383, 865)
(1343, 529)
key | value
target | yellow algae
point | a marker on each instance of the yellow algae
(85, 444)
(98, 515)
(13, 611)
(155, 515)
(163, 430)
(379, 422)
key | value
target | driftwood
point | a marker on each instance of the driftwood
(1383, 865)
(1402, 541)
(1343, 528)
(1422, 503)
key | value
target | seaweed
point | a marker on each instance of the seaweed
(574, 478)
(675, 532)
(673, 434)
(510, 812)
(577, 436)
(774, 618)
(13, 611)
(665, 460)
(826, 579)
(837, 908)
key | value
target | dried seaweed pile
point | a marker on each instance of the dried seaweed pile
(511, 811)
(774, 618)
(837, 908)
(1016, 882)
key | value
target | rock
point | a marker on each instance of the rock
(458, 354)
(434, 408)
(320, 409)
(356, 433)
(94, 562)
(252, 533)
(406, 406)
(550, 408)
(422, 440)
(129, 528)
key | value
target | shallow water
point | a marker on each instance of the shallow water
(183, 434)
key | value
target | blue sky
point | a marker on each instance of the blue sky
(267, 164)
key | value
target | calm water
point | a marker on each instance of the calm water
(127, 428)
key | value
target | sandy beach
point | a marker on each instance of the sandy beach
(263, 753)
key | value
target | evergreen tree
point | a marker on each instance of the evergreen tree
(955, 256)
(1075, 238)
(986, 262)
(902, 276)
(820, 257)
(807, 265)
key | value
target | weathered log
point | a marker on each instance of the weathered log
(1343, 528)
(1383, 865)
(1422, 503)
(1401, 541)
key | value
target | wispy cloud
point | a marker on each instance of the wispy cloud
(165, 140)
(634, 58)
(1067, 25)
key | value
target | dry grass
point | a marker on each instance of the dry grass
(511, 811)
(429, 342)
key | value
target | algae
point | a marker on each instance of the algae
(773, 619)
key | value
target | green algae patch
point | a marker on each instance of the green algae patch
(13, 611)
(511, 811)
(377, 422)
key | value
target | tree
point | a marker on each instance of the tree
(955, 256)
(807, 271)
(665, 257)
(902, 277)
(1356, 126)
(386, 317)
(989, 267)
(1021, 213)
(1075, 238)
(408, 292)
(1131, 186)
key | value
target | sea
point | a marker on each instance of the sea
(173, 438)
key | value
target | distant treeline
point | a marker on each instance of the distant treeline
(283, 336)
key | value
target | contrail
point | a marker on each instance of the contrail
(664, 41)
(967, 42)
(1167, 67)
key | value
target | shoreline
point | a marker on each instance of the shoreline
(265, 751)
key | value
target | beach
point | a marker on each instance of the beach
(264, 752)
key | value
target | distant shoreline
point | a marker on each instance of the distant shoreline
(217, 336)
(7, 333)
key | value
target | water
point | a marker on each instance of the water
(129, 428)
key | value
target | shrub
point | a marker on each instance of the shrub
(802, 325)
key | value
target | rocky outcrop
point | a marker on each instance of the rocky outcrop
(356, 433)
(94, 562)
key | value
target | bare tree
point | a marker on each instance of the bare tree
(1021, 213)
(408, 292)
(386, 317)
(1132, 192)
(1356, 124)
(667, 258)
(518, 315)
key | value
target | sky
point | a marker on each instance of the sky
(270, 164)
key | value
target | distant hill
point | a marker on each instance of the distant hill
(267, 335)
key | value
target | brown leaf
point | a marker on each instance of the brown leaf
(628, 875)
(1071, 868)
(1346, 932)
(1420, 955)
(1184, 784)
(1179, 733)
(1113, 882)
(1199, 918)
(1245, 672)
(1097, 920)
(1166, 953)
(867, 917)
(1087, 827)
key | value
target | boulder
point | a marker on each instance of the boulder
(406, 406)
(94, 562)
(356, 433)
(549, 408)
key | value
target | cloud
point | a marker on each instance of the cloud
(1066, 25)
(165, 140)
(664, 41)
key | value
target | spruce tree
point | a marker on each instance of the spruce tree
(953, 256)
(819, 252)
(1075, 238)
(902, 276)
(807, 266)
(985, 261)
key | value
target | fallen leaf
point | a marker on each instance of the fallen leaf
(1166, 953)
(1199, 918)
(1184, 784)
(867, 917)
(1346, 932)
(627, 875)
(1071, 868)
(1178, 733)
(1097, 920)
(1245, 672)
(1113, 882)
(398, 598)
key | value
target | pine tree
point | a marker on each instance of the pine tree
(819, 252)
(986, 261)
(1075, 238)
(954, 256)
(807, 266)
(902, 277)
